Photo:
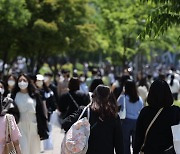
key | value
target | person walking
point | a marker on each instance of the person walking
(15, 133)
(106, 132)
(49, 100)
(10, 81)
(174, 86)
(7, 102)
(143, 89)
(47, 95)
(32, 122)
(3, 90)
(83, 86)
(72, 100)
(95, 82)
(48, 80)
(133, 105)
(159, 137)
(117, 90)
(63, 83)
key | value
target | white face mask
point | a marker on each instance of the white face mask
(1, 91)
(23, 85)
(39, 83)
(82, 79)
(11, 82)
(46, 79)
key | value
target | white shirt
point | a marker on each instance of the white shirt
(175, 87)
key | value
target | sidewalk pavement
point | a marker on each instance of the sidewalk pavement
(57, 136)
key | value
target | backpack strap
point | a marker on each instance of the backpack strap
(88, 112)
(88, 115)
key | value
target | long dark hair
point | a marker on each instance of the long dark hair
(11, 75)
(160, 94)
(0, 105)
(5, 88)
(31, 89)
(131, 91)
(104, 102)
(1, 108)
(143, 82)
(95, 83)
(172, 80)
(73, 84)
(2, 97)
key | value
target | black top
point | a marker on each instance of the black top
(105, 136)
(50, 99)
(53, 87)
(66, 105)
(159, 137)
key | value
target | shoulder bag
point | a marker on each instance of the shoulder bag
(145, 137)
(10, 147)
(64, 114)
(75, 103)
(176, 137)
(122, 113)
(170, 150)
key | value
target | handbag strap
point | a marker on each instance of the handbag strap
(76, 104)
(8, 129)
(157, 114)
(125, 102)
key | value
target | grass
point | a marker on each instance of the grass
(177, 103)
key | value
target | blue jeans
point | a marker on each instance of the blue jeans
(128, 128)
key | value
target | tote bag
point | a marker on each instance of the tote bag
(122, 113)
(9, 147)
(176, 137)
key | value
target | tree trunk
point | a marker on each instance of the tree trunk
(39, 64)
(124, 53)
(32, 64)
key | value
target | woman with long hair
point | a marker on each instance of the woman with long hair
(159, 137)
(10, 82)
(3, 123)
(174, 86)
(7, 103)
(3, 89)
(70, 101)
(94, 84)
(49, 100)
(105, 132)
(143, 89)
(32, 122)
(133, 105)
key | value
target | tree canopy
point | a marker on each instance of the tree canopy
(166, 14)
(13, 16)
(86, 30)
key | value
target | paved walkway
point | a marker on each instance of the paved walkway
(58, 135)
(57, 139)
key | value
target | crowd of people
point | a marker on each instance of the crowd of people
(32, 99)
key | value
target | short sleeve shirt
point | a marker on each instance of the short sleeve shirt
(132, 109)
